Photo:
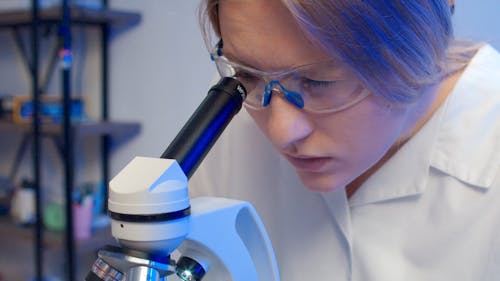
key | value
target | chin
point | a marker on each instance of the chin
(318, 182)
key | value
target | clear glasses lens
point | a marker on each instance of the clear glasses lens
(323, 87)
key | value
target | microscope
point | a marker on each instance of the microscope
(165, 235)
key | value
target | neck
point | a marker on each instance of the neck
(430, 102)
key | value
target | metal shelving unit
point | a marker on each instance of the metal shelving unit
(64, 17)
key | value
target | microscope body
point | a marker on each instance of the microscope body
(153, 220)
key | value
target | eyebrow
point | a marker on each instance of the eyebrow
(234, 58)
(237, 60)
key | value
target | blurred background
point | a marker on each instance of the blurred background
(158, 72)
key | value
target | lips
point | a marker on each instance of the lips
(309, 164)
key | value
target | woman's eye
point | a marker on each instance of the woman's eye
(310, 83)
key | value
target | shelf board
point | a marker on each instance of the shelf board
(79, 15)
(118, 130)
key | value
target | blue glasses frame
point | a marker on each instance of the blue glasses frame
(291, 96)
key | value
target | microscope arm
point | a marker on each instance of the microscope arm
(237, 246)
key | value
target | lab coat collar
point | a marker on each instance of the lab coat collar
(452, 128)
(405, 173)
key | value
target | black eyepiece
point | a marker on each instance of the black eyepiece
(196, 138)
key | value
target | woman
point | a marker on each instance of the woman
(390, 124)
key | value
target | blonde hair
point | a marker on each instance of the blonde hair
(397, 47)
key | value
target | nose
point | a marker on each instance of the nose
(286, 123)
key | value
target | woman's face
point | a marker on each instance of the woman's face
(327, 151)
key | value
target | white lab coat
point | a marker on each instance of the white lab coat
(432, 212)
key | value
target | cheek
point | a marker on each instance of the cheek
(366, 131)
(260, 118)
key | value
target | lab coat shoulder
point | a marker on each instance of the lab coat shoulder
(468, 143)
